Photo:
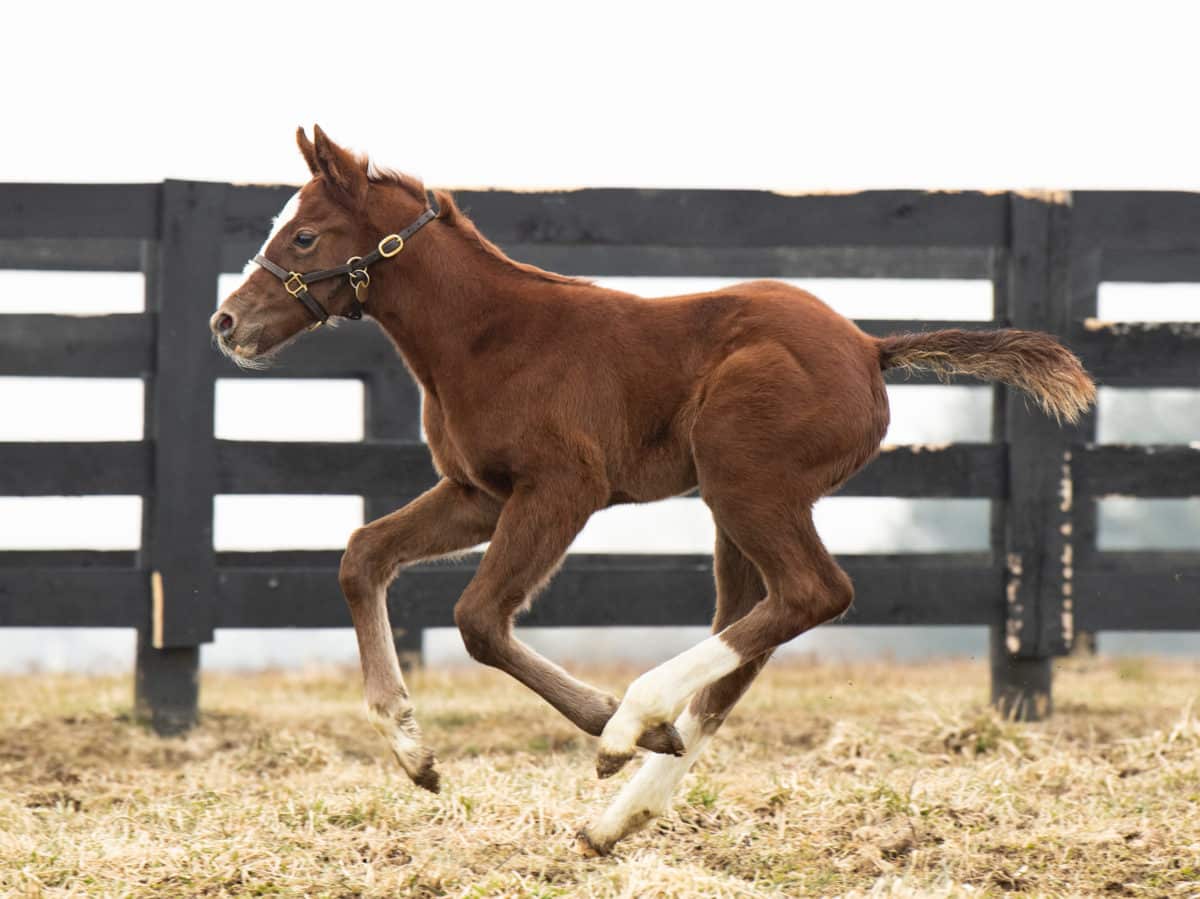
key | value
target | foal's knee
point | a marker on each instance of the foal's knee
(358, 574)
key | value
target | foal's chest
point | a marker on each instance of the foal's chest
(460, 455)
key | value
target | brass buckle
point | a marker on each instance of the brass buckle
(399, 246)
(287, 285)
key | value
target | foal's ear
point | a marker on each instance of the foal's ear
(307, 150)
(344, 173)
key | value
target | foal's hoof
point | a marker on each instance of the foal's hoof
(421, 770)
(587, 847)
(609, 763)
(428, 779)
(663, 739)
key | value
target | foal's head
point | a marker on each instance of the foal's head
(329, 220)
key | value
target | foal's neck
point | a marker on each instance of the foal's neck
(452, 294)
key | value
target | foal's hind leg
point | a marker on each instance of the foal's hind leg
(761, 462)
(648, 794)
(804, 588)
(446, 519)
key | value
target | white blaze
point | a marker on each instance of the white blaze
(282, 220)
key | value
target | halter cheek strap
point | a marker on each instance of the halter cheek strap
(296, 285)
(355, 268)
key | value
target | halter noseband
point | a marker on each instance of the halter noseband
(355, 268)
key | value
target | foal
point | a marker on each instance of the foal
(547, 398)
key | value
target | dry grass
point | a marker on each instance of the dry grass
(830, 780)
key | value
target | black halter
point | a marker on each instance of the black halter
(355, 268)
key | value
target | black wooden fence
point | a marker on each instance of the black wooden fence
(1042, 581)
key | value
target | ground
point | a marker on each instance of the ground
(861, 780)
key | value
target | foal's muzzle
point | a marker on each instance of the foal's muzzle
(222, 324)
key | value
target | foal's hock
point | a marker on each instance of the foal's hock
(547, 398)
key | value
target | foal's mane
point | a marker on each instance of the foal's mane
(455, 217)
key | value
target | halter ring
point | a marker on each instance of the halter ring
(359, 275)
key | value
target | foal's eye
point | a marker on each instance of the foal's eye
(304, 239)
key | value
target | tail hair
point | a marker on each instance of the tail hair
(1031, 361)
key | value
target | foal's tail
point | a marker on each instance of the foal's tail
(1034, 362)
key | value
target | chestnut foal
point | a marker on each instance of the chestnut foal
(547, 398)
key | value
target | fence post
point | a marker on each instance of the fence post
(392, 410)
(1083, 303)
(1037, 521)
(166, 686)
(177, 549)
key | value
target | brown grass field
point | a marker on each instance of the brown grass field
(850, 780)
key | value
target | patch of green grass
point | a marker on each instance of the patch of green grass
(703, 794)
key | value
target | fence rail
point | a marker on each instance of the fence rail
(1042, 579)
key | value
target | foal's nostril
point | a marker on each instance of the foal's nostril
(224, 324)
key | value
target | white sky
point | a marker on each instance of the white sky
(838, 96)
(776, 95)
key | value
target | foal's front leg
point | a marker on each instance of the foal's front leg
(535, 528)
(446, 519)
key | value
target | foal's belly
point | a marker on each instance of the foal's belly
(655, 475)
(655, 468)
